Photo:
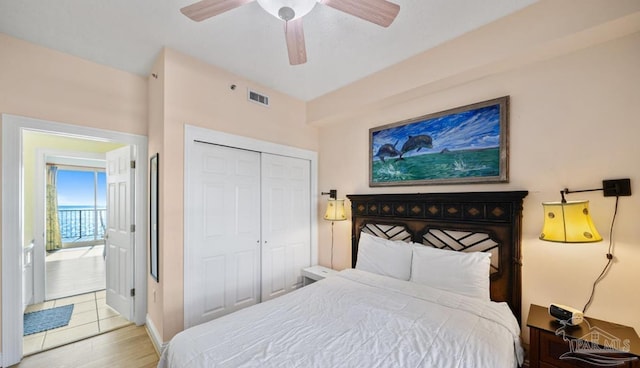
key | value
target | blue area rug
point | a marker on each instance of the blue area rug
(47, 319)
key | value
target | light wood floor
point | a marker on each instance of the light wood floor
(75, 271)
(128, 347)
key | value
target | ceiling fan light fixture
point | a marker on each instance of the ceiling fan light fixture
(286, 13)
(287, 9)
(380, 12)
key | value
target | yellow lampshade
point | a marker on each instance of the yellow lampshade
(568, 222)
(335, 210)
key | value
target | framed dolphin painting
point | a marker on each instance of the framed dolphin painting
(468, 144)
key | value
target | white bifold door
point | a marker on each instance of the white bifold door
(248, 230)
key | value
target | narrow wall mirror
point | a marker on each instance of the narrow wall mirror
(153, 217)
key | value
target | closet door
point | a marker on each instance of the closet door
(286, 223)
(223, 227)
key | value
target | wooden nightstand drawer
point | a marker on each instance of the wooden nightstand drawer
(552, 348)
(594, 343)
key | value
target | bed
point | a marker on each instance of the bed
(378, 314)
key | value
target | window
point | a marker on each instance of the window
(82, 198)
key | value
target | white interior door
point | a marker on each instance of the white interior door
(286, 223)
(222, 249)
(119, 233)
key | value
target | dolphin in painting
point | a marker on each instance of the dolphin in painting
(388, 150)
(416, 142)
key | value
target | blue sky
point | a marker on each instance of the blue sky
(473, 129)
(75, 188)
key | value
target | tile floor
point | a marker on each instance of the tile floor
(91, 316)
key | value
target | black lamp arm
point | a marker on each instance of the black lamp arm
(611, 188)
(567, 191)
(333, 194)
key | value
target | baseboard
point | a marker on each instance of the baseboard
(158, 344)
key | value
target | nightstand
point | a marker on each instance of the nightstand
(551, 345)
(315, 273)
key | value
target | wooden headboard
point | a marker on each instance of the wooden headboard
(470, 221)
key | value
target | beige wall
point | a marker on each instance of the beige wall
(572, 124)
(198, 94)
(41, 83)
(45, 84)
(155, 292)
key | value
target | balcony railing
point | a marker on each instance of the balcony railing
(80, 225)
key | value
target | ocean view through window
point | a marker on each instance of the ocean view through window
(81, 197)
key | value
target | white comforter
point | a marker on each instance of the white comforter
(355, 319)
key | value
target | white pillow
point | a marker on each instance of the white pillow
(459, 272)
(384, 257)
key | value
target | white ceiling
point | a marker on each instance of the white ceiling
(247, 41)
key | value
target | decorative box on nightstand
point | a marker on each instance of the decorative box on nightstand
(593, 343)
(315, 273)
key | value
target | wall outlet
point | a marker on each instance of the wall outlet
(616, 187)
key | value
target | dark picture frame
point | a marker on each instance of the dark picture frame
(467, 144)
(153, 217)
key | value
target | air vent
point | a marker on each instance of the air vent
(258, 98)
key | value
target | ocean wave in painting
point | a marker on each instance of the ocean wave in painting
(461, 164)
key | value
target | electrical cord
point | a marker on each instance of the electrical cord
(332, 245)
(609, 260)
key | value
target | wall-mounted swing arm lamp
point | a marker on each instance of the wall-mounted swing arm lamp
(335, 212)
(570, 222)
(335, 207)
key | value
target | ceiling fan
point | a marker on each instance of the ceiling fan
(380, 12)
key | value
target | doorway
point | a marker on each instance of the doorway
(69, 192)
(64, 191)
(14, 242)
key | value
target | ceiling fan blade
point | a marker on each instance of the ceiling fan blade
(206, 9)
(294, 35)
(380, 12)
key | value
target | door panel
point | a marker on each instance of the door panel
(286, 223)
(276, 267)
(119, 237)
(214, 271)
(245, 265)
(213, 221)
(223, 232)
